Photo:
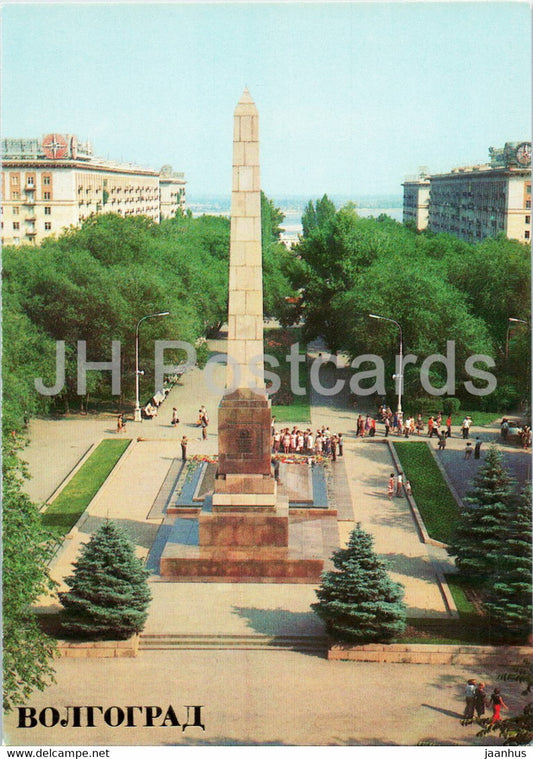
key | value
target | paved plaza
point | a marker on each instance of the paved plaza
(251, 692)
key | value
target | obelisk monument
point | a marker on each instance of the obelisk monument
(244, 418)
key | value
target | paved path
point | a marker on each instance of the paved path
(264, 698)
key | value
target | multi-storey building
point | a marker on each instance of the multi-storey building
(416, 200)
(475, 202)
(56, 182)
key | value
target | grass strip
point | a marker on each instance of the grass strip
(288, 407)
(436, 504)
(67, 508)
(457, 588)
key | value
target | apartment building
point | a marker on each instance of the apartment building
(475, 202)
(56, 182)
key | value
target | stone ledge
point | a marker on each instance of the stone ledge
(101, 649)
(397, 653)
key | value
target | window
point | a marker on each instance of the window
(30, 181)
(46, 180)
(528, 204)
(48, 225)
(14, 179)
(15, 195)
(528, 189)
(526, 234)
(47, 210)
(15, 210)
(46, 195)
(528, 219)
(16, 225)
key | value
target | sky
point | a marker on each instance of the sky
(352, 96)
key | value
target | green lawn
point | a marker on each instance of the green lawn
(435, 502)
(287, 407)
(457, 587)
(478, 417)
(70, 504)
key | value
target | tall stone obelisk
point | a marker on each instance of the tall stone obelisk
(245, 308)
(244, 418)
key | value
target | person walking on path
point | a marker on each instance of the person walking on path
(390, 486)
(442, 441)
(119, 423)
(477, 448)
(175, 419)
(468, 451)
(184, 448)
(449, 426)
(470, 692)
(496, 702)
(480, 699)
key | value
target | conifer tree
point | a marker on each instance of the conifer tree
(109, 595)
(483, 519)
(359, 602)
(509, 600)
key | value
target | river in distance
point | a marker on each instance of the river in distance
(293, 208)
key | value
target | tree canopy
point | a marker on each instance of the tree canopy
(437, 287)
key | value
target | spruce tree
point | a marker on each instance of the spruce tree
(360, 603)
(509, 599)
(109, 594)
(482, 520)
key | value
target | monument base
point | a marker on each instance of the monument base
(184, 559)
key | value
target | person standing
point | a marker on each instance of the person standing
(390, 486)
(468, 451)
(480, 699)
(399, 484)
(496, 702)
(477, 448)
(465, 427)
(470, 692)
(442, 441)
(340, 443)
(449, 426)
(184, 448)
(175, 419)
(387, 426)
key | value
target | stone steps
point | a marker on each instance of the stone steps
(306, 643)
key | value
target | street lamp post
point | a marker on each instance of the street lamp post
(137, 414)
(509, 320)
(399, 377)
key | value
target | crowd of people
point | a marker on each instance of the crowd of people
(323, 442)
(477, 700)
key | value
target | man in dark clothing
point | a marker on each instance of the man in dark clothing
(477, 448)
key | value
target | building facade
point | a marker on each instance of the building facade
(475, 202)
(54, 183)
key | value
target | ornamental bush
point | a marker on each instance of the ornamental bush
(359, 602)
(109, 594)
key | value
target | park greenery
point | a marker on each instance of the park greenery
(492, 548)
(69, 505)
(109, 593)
(359, 602)
(437, 287)
(435, 502)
